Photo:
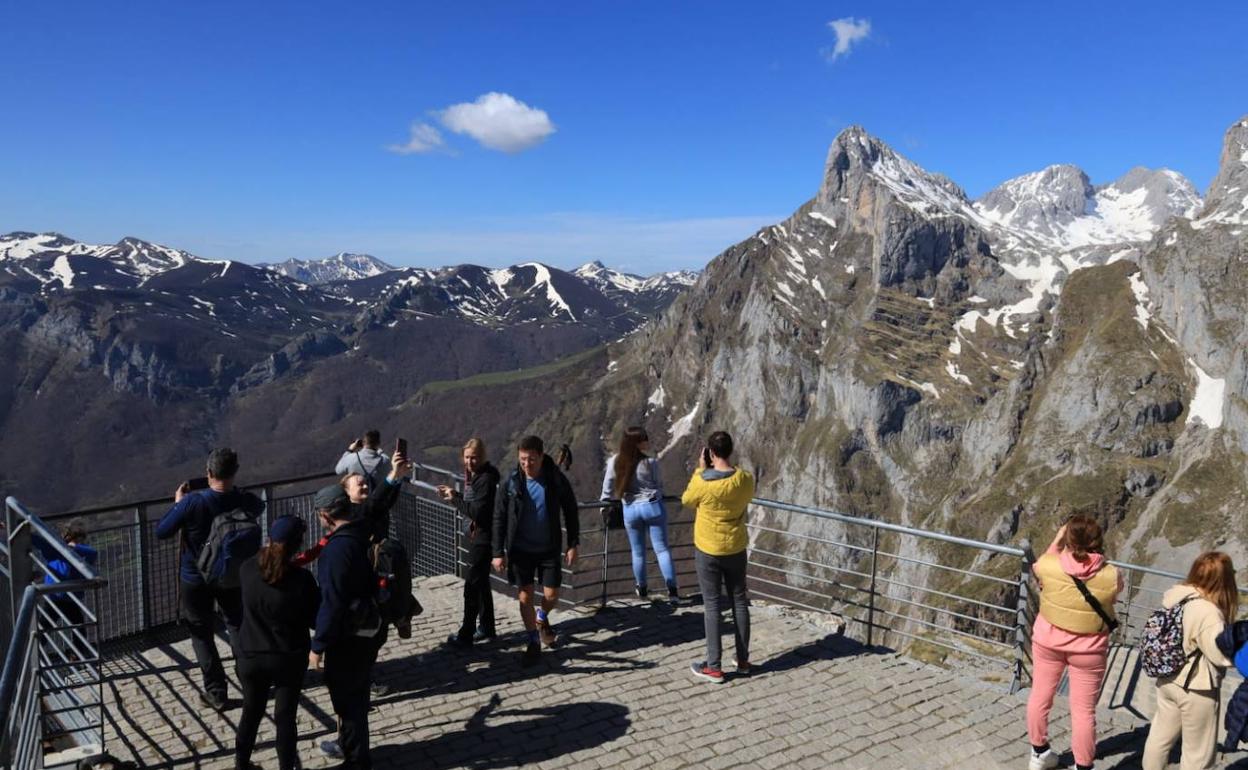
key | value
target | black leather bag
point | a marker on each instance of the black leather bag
(613, 515)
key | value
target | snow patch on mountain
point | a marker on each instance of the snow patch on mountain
(1209, 400)
(62, 270)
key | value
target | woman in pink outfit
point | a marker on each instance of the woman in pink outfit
(1078, 587)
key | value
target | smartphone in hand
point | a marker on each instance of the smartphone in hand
(400, 447)
(706, 457)
(197, 484)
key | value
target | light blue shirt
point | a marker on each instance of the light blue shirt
(533, 529)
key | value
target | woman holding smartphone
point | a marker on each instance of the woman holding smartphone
(633, 478)
(475, 506)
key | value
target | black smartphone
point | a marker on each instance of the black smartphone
(706, 457)
(196, 484)
(400, 447)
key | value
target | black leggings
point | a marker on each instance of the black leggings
(257, 673)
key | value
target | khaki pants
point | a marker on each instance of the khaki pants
(1190, 714)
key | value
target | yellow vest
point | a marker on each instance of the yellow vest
(719, 526)
(1063, 605)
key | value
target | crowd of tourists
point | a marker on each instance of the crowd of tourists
(281, 621)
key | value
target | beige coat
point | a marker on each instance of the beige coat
(1202, 622)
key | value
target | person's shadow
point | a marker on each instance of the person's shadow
(494, 738)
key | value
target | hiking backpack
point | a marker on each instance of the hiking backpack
(1161, 641)
(233, 538)
(394, 580)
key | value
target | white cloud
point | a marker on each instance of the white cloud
(848, 32)
(425, 138)
(499, 122)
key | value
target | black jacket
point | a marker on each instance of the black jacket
(276, 618)
(376, 509)
(346, 577)
(476, 504)
(513, 498)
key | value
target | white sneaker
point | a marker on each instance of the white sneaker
(1045, 761)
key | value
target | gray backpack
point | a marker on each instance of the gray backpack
(233, 538)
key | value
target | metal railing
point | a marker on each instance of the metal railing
(51, 691)
(938, 596)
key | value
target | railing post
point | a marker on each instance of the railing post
(1021, 617)
(875, 552)
(145, 558)
(606, 543)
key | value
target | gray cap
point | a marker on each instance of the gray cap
(332, 498)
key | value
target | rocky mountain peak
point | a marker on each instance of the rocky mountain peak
(856, 158)
(1040, 200)
(1227, 199)
(344, 266)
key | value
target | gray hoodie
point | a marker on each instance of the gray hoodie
(371, 463)
(646, 485)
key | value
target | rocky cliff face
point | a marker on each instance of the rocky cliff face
(896, 350)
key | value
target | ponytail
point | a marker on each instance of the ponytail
(274, 561)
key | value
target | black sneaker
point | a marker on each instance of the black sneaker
(457, 642)
(404, 628)
(379, 690)
(641, 592)
(214, 701)
(532, 654)
(673, 596)
(481, 635)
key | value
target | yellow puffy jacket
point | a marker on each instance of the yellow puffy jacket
(719, 527)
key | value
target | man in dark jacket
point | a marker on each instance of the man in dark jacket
(476, 507)
(528, 541)
(349, 631)
(191, 516)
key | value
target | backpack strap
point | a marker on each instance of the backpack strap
(1110, 623)
(1194, 657)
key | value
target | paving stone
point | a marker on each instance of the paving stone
(617, 694)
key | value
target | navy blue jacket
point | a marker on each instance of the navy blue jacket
(1230, 642)
(193, 515)
(59, 570)
(346, 576)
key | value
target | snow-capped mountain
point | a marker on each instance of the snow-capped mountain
(52, 261)
(1061, 207)
(340, 267)
(649, 294)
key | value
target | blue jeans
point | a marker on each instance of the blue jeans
(638, 517)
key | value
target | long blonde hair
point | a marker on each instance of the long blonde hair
(1213, 575)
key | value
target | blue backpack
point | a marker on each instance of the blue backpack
(233, 538)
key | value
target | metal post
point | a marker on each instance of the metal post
(145, 557)
(1021, 618)
(606, 542)
(875, 551)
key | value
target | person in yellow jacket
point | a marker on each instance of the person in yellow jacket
(1188, 703)
(720, 493)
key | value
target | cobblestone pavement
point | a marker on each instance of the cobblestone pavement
(617, 693)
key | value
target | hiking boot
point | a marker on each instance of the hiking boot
(532, 654)
(214, 700)
(332, 750)
(481, 635)
(1045, 760)
(641, 592)
(547, 633)
(703, 671)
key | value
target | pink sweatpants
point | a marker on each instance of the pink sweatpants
(1086, 671)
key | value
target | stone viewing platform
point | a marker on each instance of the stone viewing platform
(617, 693)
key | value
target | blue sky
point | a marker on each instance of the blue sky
(650, 135)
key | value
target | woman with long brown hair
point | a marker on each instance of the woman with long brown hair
(1078, 587)
(633, 478)
(1188, 702)
(280, 602)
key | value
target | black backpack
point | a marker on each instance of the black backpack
(233, 538)
(394, 580)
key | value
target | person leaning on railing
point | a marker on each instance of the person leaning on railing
(720, 494)
(1189, 701)
(59, 570)
(633, 478)
(476, 506)
(1078, 587)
